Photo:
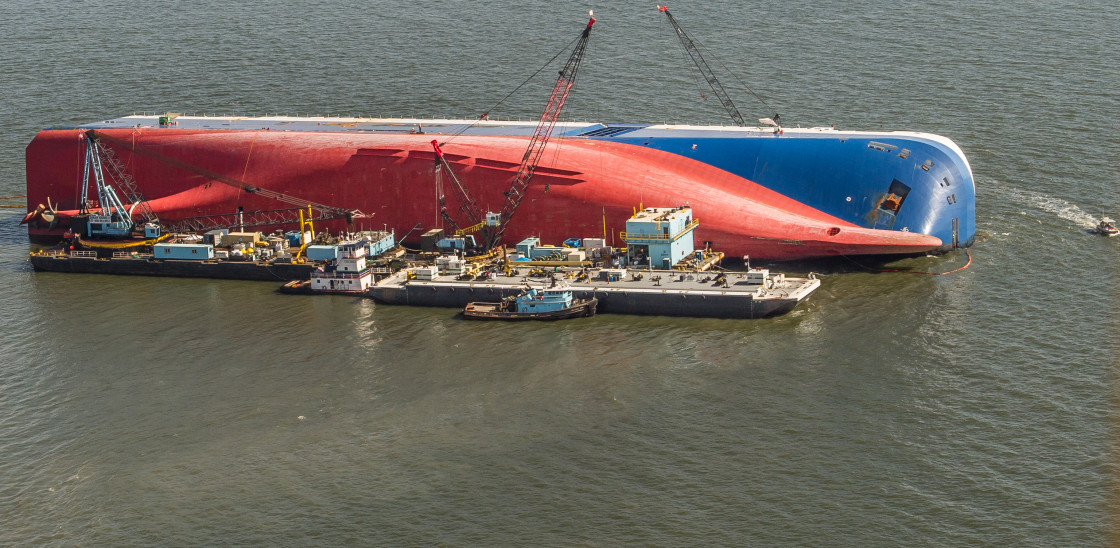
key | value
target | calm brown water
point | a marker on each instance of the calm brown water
(972, 409)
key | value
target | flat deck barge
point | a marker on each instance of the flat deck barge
(748, 294)
(90, 263)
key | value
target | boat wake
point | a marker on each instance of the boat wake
(1047, 203)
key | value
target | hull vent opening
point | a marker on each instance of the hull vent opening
(895, 197)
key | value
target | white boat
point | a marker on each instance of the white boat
(1107, 227)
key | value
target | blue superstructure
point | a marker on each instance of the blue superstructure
(659, 237)
(537, 300)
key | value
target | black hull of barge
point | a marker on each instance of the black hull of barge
(224, 270)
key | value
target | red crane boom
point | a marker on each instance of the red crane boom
(468, 208)
(540, 138)
(494, 225)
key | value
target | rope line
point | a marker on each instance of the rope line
(966, 265)
(245, 168)
(510, 94)
(903, 271)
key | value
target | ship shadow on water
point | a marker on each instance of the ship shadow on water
(867, 264)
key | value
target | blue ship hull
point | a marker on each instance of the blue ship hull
(845, 174)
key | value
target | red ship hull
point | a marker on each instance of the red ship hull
(580, 186)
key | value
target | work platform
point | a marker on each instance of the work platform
(749, 294)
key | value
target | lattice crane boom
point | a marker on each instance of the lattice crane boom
(112, 218)
(532, 157)
(468, 208)
(325, 211)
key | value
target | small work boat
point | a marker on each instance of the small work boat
(1107, 227)
(553, 303)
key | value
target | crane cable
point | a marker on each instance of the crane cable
(696, 81)
(695, 72)
(486, 114)
(741, 82)
(214, 176)
(245, 169)
(966, 265)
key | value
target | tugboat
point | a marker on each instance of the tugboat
(347, 270)
(661, 273)
(1107, 227)
(553, 303)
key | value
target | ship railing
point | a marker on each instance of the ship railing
(631, 237)
(335, 274)
(83, 254)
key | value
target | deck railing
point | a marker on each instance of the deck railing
(630, 237)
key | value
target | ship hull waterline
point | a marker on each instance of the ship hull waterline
(583, 187)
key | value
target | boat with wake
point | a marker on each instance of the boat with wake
(1107, 227)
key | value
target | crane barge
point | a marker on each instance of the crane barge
(113, 220)
(494, 224)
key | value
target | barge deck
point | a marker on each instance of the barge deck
(749, 294)
(89, 263)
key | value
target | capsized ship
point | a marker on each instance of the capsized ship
(767, 192)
